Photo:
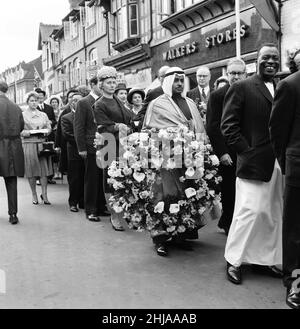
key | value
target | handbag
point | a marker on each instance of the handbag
(45, 149)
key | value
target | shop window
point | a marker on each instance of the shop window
(76, 68)
(177, 5)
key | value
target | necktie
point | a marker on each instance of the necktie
(203, 93)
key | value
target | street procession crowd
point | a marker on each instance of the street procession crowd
(248, 127)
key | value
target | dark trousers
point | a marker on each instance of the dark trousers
(228, 194)
(12, 194)
(291, 233)
(94, 197)
(76, 171)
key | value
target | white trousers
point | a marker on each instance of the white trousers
(255, 235)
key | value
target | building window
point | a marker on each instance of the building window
(76, 70)
(93, 57)
(125, 19)
(90, 15)
(133, 19)
(177, 5)
(74, 26)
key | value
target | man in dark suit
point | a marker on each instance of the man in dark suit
(285, 137)
(255, 232)
(43, 107)
(151, 95)
(84, 131)
(11, 151)
(201, 93)
(75, 161)
(236, 71)
(60, 142)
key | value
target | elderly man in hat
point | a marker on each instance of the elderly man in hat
(11, 151)
(172, 109)
(84, 132)
(111, 117)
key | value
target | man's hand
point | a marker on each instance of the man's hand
(83, 154)
(226, 160)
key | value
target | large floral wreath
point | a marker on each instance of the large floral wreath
(134, 176)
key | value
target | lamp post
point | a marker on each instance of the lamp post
(238, 28)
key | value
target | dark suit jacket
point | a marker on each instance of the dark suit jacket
(11, 150)
(50, 113)
(245, 119)
(84, 125)
(67, 126)
(151, 95)
(213, 122)
(285, 127)
(196, 96)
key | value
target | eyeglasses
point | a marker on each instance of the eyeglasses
(236, 73)
(202, 76)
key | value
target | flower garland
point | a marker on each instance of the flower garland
(137, 176)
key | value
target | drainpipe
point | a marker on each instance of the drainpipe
(151, 23)
(279, 33)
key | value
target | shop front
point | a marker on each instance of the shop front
(213, 44)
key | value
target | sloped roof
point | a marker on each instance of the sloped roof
(45, 31)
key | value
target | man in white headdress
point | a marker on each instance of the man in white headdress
(172, 109)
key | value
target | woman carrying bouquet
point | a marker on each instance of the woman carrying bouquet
(111, 117)
(171, 110)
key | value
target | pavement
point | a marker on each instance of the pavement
(58, 259)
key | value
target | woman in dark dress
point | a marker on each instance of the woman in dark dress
(111, 117)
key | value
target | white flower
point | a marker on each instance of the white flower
(156, 162)
(159, 208)
(117, 209)
(144, 194)
(199, 173)
(171, 164)
(182, 179)
(117, 185)
(201, 210)
(209, 176)
(214, 159)
(174, 208)
(171, 229)
(177, 150)
(190, 192)
(127, 155)
(199, 162)
(139, 176)
(195, 145)
(190, 172)
(181, 229)
(127, 171)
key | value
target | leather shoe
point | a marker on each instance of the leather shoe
(234, 274)
(74, 209)
(93, 218)
(293, 298)
(13, 219)
(272, 271)
(161, 250)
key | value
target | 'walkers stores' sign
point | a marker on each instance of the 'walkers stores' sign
(210, 42)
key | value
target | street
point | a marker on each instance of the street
(57, 259)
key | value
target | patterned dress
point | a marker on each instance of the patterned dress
(36, 166)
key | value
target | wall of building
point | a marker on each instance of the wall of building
(290, 28)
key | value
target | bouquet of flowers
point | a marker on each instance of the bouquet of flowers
(137, 174)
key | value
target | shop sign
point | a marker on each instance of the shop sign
(217, 39)
(224, 37)
(184, 50)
